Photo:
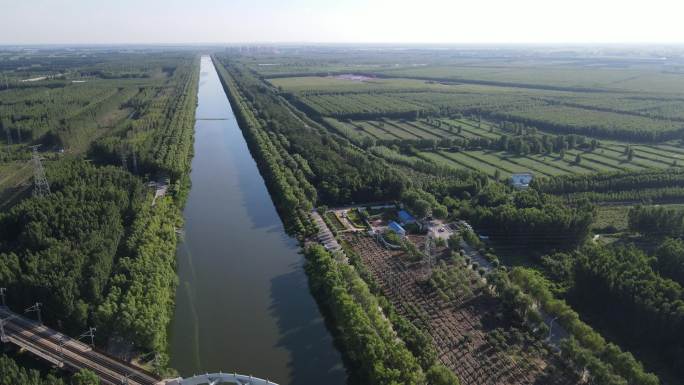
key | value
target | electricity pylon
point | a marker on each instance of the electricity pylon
(41, 186)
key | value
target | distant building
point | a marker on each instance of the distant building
(394, 226)
(405, 217)
(521, 180)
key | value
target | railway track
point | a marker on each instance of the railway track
(73, 354)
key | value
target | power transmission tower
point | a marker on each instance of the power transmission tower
(41, 187)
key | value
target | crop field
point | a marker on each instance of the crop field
(354, 84)
(589, 119)
(393, 129)
(569, 77)
(610, 156)
(597, 103)
(602, 160)
(359, 104)
(617, 216)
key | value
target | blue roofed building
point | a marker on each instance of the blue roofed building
(405, 217)
(394, 226)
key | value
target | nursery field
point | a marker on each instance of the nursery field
(468, 339)
(604, 160)
(610, 156)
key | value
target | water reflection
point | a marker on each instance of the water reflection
(242, 302)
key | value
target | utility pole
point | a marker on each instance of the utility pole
(62, 341)
(90, 333)
(124, 380)
(3, 337)
(41, 186)
(35, 308)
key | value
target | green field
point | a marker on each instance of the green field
(617, 215)
(540, 165)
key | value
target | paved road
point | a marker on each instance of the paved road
(325, 236)
(59, 348)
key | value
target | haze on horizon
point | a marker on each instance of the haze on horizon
(344, 21)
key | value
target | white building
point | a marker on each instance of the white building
(521, 180)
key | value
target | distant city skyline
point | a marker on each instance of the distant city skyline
(345, 21)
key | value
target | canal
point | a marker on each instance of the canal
(242, 302)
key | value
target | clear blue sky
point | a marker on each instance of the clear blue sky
(410, 21)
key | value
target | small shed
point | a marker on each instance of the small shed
(394, 226)
(405, 217)
(522, 180)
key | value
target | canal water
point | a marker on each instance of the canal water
(242, 303)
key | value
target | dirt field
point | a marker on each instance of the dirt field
(470, 339)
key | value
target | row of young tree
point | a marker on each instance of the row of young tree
(610, 182)
(584, 347)
(594, 131)
(656, 221)
(366, 336)
(666, 227)
(619, 288)
(636, 196)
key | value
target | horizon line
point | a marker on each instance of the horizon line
(331, 43)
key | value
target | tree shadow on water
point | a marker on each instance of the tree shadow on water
(303, 332)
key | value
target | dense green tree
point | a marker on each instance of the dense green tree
(670, 259)
(85, 377)
(656, 221)
(440, 375)
(13, 374)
